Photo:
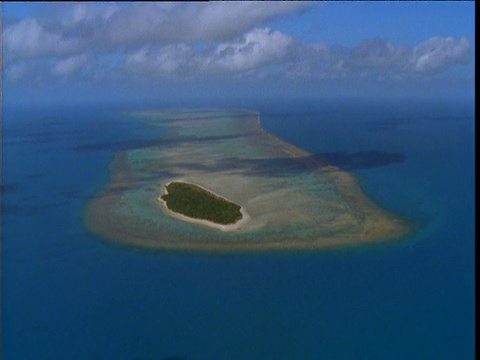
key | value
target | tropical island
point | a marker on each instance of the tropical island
(194, 203)
(208, 167)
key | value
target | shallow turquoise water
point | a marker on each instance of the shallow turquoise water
(68, 295)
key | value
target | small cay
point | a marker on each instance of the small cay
(195, 202)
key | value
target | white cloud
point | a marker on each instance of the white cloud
(140, 24)
(372, 58)
(258, 48)
(28, 38)
(71, 28)
(167, 60)
(69, 65)
(437, 54)
(379, 53)
(83, 13)
(381, 59)
(215, 21)
(226, 20)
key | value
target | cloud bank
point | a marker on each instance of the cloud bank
(198, 40)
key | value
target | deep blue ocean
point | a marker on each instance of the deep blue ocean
(69, 295)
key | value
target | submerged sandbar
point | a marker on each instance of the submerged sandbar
(294, 199)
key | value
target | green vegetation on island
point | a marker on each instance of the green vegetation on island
(193, 201)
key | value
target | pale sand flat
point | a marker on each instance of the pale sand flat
(313, 205)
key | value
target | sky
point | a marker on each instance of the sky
(114, 52)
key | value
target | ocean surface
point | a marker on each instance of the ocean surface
(67, 294)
